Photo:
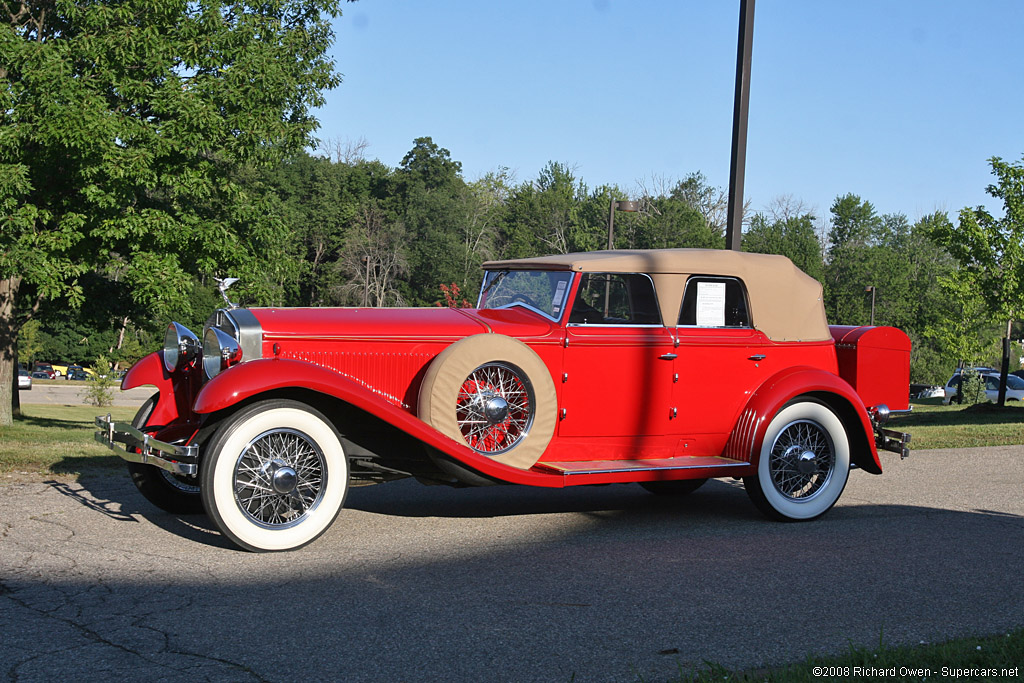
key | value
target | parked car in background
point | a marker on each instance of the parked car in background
(77, 372)
(1014, 387)
(931, 392)
(44, 368)
(24, 379)
(663, 368)
(42, 374)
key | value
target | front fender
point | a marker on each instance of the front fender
(748, 435)
(250, 379)
(175, 390)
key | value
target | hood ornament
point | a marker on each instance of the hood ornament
(222, 287)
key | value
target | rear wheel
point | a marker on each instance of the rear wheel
(804, 463)
(274, 476)
(174, 493)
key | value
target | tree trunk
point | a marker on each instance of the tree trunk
(8, 350)
(1004, 368)
(120, 342)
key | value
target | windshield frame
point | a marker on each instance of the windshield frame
(502, 273)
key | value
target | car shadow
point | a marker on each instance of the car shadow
(407, 498)
(114, 496)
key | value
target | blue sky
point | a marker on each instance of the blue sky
(900, 102)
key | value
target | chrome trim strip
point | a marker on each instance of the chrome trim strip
(616, 325)
(151, 451)
(617, 470)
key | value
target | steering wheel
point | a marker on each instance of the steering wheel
(522, 298)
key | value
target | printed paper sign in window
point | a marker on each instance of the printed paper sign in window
(710, 304)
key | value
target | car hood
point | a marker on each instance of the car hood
(365, 323)
(395, 323)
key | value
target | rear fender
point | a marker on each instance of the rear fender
(249, 380)
(748, 435)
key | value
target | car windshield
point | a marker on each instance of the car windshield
(1014, 382)
(541, 291)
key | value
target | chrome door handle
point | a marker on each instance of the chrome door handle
(757, 356)
(668, 356)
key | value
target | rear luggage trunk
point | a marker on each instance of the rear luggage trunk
(876, 363)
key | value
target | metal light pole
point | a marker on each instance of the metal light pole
(872, 289)
(622, 205)
(741, 106)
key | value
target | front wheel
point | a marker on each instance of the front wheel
(274, 476)
(173, 493)
(804, 464)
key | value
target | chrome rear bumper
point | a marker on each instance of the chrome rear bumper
(145, 449)
(889, 439)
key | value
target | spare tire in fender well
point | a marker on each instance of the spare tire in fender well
(455, 367)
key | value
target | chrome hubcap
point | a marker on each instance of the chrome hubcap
(494, 408)
(284, 480)
(802, 460)
(280, 477)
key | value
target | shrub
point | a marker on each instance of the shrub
(100, 387)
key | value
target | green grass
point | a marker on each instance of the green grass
(933, 425)
(1002, 653)
(55, 439)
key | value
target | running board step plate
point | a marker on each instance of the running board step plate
(660, 464)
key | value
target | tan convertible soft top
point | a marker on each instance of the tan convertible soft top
(785, 303)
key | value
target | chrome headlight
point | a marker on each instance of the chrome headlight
(220, 350)
(181, 347)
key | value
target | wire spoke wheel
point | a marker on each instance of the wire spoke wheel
(804, 463)
(279, 478)
(494, 408)
(802, 460)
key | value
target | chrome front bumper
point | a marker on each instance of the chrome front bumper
(167, 456)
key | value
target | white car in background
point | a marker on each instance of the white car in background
(24, 379)
(1014, 388)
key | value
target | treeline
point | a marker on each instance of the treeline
(358, 232)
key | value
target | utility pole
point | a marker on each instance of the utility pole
(741, 106)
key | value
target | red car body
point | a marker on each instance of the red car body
(694, 357)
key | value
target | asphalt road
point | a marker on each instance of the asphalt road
(67, 392)
(417, 583)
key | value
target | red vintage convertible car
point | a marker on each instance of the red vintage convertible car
(665, 368)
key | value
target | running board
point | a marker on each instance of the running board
(575, 467)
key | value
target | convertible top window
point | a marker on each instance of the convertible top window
(615, 299)
(714, 302)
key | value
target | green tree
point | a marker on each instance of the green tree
(126, 131)
(428, 201)
(793, 237)
(990, 250)
(847, 272)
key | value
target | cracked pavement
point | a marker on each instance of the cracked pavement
(416, 583)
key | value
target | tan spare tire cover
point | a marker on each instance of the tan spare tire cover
(459, 364)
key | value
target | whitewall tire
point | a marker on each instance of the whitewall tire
(804, 463)
(274, 476)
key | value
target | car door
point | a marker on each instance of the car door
(618, 360)
(721, 360)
